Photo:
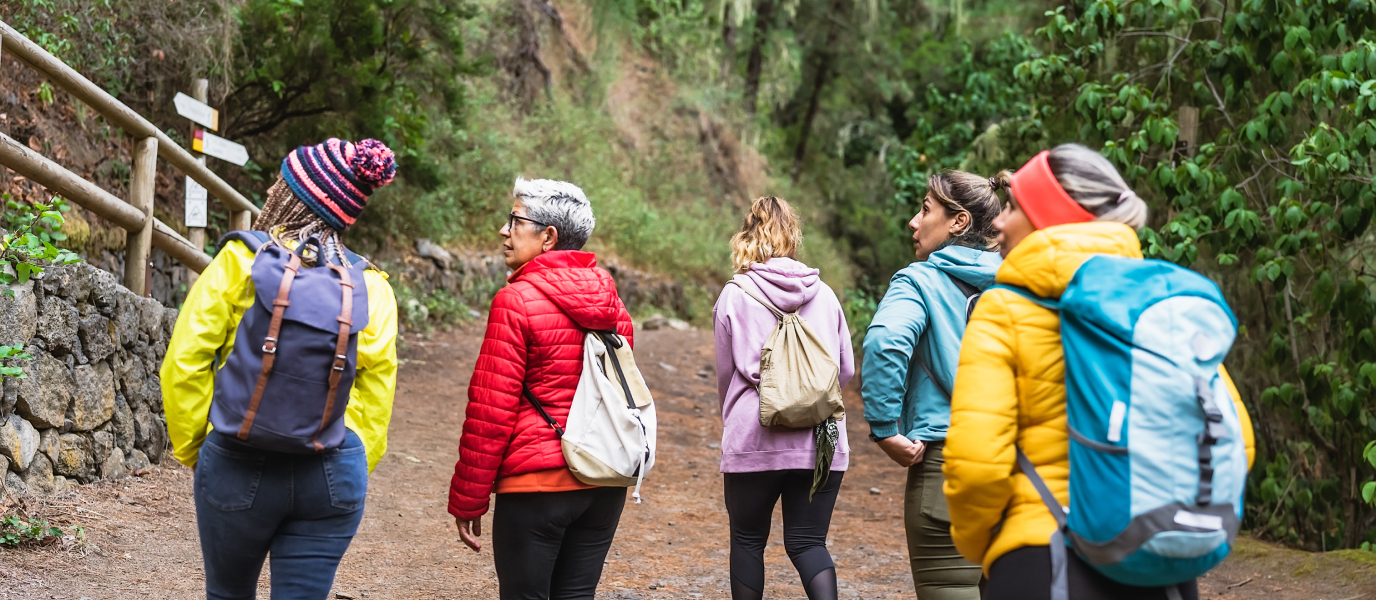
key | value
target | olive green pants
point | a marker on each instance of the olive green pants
(939, 572)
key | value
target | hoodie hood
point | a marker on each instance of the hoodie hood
(573, 282)
(787, 283)
(975, 267)
(1046, 260)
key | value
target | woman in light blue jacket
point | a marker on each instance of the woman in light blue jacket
(911, 351)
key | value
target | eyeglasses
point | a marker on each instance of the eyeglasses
(511, 221)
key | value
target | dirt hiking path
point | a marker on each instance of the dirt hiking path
(673, 546)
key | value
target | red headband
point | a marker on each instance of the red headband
(1042, 198)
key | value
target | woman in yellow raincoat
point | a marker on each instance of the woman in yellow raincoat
(303, 509)
(1010, 385)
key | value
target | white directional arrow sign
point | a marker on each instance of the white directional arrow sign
(197, 111)
(221, 148)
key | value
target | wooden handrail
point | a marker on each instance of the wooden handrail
(136, 215)
(67, 184)
(90, 196)
(178, 247)
(121, 115)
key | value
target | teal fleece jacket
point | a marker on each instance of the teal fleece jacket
(923, 313)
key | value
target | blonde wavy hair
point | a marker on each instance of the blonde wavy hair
(771, 229)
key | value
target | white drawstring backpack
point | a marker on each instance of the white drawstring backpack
(609, 439)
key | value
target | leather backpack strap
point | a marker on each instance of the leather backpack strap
(341, 345)
(279, 306)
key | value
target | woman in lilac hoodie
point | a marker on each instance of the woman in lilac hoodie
(762, 465)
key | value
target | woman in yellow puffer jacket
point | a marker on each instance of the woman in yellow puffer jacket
(300, 510)
(1010, 385)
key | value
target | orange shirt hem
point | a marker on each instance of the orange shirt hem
(548, 480)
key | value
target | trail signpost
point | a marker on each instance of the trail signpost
(197, 198)
(210, 144)
(194, 107)
(197, 110)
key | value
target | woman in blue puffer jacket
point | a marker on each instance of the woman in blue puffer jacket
(911, 351)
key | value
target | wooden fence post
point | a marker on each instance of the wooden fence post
(200, 90)
(240, 220)
(138, 243)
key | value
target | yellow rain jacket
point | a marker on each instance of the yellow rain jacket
(1010, 389)
(206, 327)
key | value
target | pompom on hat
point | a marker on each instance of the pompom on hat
(1042, 198)
(336, 177)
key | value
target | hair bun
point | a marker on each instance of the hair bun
(374, 163)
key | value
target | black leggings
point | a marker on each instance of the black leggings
(1025, 574)
(750, 500)
(550, 545)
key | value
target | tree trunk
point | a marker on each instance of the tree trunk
(1351, 531)
(728, 38)
(815, 98)
(764, 16)
(825, 55)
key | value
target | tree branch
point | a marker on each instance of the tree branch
(1304, 389)
(272, 123)
(1221, 107)
(1154, 34)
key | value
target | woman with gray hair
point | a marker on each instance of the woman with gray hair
(550, 531)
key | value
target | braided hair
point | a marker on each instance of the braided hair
(287, 218)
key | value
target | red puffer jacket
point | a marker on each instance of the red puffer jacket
(534, 336)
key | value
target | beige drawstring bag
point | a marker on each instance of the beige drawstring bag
(799, 377)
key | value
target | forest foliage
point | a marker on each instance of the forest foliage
(853, 103)
(1274, 202)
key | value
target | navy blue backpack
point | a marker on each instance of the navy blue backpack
(286, 384)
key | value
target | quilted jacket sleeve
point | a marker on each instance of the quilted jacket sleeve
(980, 444)
(494, 395)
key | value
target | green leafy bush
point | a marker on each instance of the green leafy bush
(424, 312)
(28, 247)
(15, 531)
(16, 352)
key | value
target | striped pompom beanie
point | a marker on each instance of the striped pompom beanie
(335, 178)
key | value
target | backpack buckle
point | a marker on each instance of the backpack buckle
(339, 361)
(269, 345)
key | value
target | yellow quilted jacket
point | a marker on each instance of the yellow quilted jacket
(206, 327)
(1010, 389)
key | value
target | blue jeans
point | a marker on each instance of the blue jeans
(303, 510)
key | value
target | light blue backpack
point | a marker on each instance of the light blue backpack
(1158, 462)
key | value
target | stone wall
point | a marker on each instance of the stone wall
(476, 277)
(166, 277)
(90, 405)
